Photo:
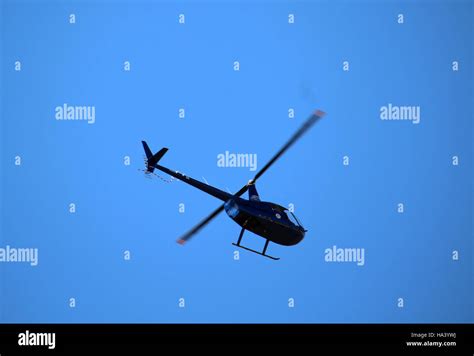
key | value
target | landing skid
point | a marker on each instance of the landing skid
(254, 251)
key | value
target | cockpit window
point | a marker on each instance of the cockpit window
(292, 217)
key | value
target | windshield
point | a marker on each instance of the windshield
(292, 218)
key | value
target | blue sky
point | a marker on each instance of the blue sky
(81, 255)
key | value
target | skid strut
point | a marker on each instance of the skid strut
(251, 250)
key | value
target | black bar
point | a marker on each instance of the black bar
(383, 337)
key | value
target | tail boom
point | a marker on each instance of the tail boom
(152, 164)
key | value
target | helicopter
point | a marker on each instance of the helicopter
(271, 221)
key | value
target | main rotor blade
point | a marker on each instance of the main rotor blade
(242, 190)
(187, 236)
(305, 127)
(182, 240)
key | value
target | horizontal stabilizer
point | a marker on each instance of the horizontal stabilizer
(157, 156)
(152, 159)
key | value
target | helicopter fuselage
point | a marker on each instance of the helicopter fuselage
(269, 220)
